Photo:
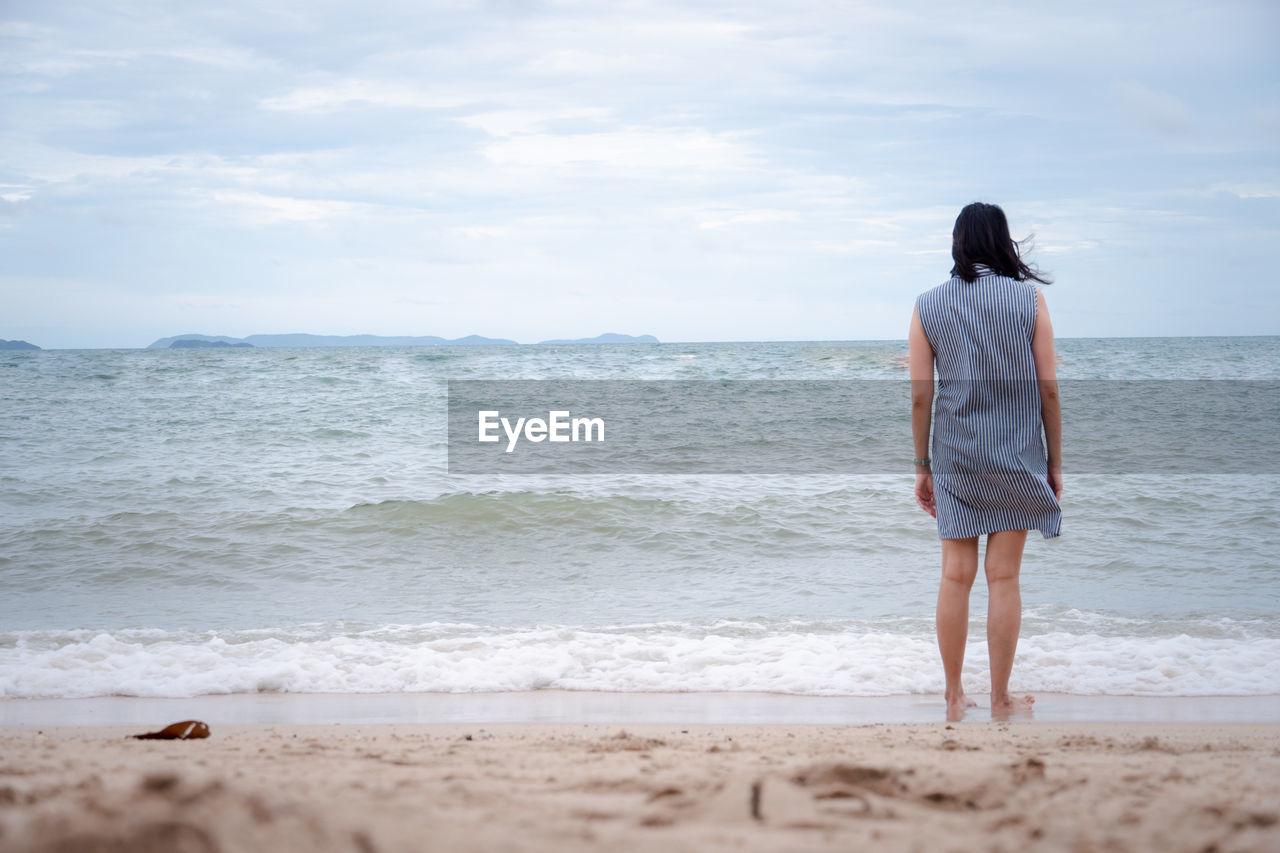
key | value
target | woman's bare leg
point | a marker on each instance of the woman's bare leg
(959, 568)
(1004, 616)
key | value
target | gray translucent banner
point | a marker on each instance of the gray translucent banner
(823, 427)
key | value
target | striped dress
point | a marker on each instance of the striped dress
(989, 466)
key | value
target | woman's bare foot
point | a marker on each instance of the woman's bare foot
(957, 705)
(1004, 707)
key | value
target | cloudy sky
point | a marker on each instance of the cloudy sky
(692, 170)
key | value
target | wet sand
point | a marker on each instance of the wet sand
(581, 706)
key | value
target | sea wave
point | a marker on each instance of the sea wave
(821, 659)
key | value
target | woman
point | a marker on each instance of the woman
(987, 330)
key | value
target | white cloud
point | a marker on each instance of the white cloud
(502, 123)
(1152, 109)
(856, 247)
(1058, 248)
(14, 193)
(337, 94)
(481, 232)
(55, 62)
(269, 209)
(22, 30)
(639, 148)
(1251, 189)
(46, 164)
(723, 217)
(218, 56)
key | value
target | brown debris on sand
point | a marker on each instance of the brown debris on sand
(185, 730)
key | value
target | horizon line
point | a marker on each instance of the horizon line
(589, 342)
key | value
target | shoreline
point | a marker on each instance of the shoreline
(650, 787)
(597, 707)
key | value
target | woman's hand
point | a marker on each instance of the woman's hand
(924, 492)
(1055, 480)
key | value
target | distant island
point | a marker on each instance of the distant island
(607, 338)
(193, 341)
(17, 345)
(196, 343)
(303, 340)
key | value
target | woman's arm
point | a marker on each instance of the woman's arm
(1047, 377)
(920, 365)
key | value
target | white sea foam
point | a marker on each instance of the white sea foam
(660, 657)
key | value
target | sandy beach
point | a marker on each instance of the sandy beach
(562, 786)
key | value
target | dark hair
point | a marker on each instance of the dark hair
(981, 236)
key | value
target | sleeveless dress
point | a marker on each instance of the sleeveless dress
(989, 465)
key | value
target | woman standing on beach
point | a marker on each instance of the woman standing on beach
(987, 330)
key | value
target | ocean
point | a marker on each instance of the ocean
(180, 523)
